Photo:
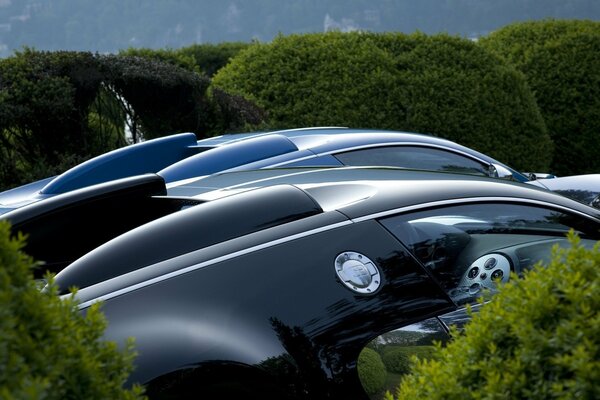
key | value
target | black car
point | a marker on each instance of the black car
(274, 289)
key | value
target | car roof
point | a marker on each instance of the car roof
(181, 156)
(322, 141)
(361, 191)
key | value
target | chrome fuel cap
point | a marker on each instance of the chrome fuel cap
(357, 272)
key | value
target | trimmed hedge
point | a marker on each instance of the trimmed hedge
(205, 58)
(48, 348)
(371, 371)
(316, 79)
(398, 359)
(561, 60)
(439, 84)
(210, 58)
(539, 338)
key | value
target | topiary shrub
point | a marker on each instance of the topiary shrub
(48, 348)
(439, 84)
(316, 79)
(206, 58)
(561, 60)
(398, 360)
(170, 56)
(371, 371)
(539, 338)
(209, 58)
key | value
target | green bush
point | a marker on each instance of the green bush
(316, 79)
(204, 58)
(48, 348)
(398, 359)
(61, 107)
(561, 60)
(169, 56)
(209, 58)
(371, 371)
(539, 338)
(166, 98)
(440, 85)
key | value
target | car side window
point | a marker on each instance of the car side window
(469, 248)
(414, 157)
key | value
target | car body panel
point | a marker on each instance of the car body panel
(64, 227)
(189, 230)
(269, 311)
(179, 157)
(416, 185)
(317, 147)
(239, 287)
(230, 277)
(307, 146)
(226, 157)
(141, 158)
(583, 188)
(23, 195)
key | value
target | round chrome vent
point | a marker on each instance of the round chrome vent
(357, 272)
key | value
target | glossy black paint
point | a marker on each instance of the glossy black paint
(281, 305)
(63, 228)
(239, 291)
(403, 187)
(189, 230)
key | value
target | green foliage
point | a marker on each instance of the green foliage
(171, 56)
(44, 102)
(159, 97)
(232, 113)
(561, 60)
(48, 348)
(210, 58)
(439, 84)
(398, 359)
(317, 79)
(44, 99)
(204, 58)
(539, 338)
(58, 108)
(371, 371)
(185, 103)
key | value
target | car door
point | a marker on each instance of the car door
(469, 250)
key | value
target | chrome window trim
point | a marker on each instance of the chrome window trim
(326, 228)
